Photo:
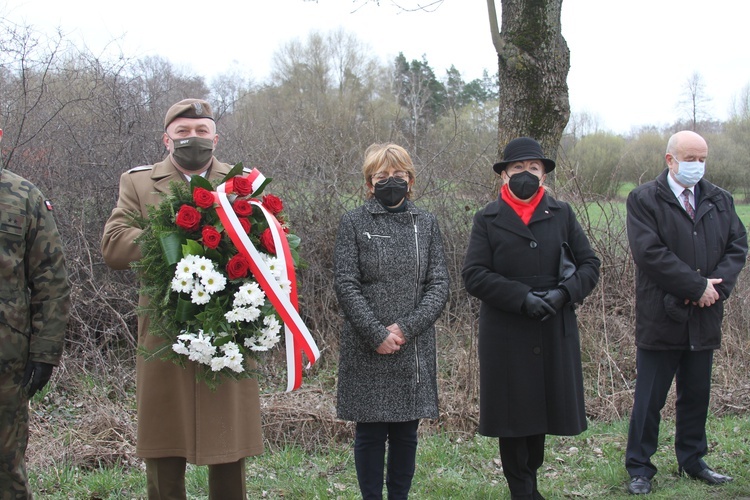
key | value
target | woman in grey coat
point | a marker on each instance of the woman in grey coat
(392, 284)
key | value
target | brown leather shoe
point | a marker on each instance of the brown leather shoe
(639, 485)
(708, 476)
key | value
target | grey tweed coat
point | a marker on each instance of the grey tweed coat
(389, 268)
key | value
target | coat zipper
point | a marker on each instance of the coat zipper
(416, 286)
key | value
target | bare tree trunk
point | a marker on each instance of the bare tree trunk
(533, 60)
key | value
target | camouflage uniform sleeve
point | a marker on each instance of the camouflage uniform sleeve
(118, 241)
(49, 289)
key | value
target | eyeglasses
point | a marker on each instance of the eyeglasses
(381, 176)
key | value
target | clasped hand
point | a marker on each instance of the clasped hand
(542, 305)
(393, 341)
(710, 295)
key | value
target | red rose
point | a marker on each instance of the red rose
(273, 204)
(245, 225)
(243, 208)
(203, 197)
(188, 218)
(211, 237)
(266, 239)
(237, 267)
(242, 186)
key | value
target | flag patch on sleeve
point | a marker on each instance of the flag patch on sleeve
(48, 204)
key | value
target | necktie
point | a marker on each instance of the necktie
(686, 201)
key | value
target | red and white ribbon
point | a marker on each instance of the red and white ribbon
(297, 336)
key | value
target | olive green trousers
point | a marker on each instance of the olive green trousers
(14, 434)
(166, 479)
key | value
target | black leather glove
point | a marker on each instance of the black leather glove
(36, 376)
(535, 307)
(557, 297)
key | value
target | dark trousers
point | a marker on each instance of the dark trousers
(656, 369)
(165, 479)
(369, 458)
(522, 457)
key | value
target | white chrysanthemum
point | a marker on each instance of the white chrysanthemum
(183, 283)
(249, 294)
(186, 265)
(201, 349)
(235, 365)
(233, 357)
(203, 265)
(218, 363)
(272, 325)
(233, 316)
(249, 314)
(229, 348)
(285, 285)
(253, 344)
(180, 348)
(213, 281)
(262, 342)
(238, 314)
(273, 263)
(268, 341)
(199, 295)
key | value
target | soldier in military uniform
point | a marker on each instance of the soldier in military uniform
(34, 305)
(181, 420)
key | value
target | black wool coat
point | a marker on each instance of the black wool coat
(531, 379)
(675, 255)
(388, 268)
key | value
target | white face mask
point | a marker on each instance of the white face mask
(689, 172)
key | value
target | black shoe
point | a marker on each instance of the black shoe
(639, 485)
(708, 476)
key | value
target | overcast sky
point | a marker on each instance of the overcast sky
(630, 59)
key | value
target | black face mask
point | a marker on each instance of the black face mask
(524, 185)
(391, 191)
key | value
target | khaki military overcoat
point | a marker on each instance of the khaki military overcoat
(177, 416)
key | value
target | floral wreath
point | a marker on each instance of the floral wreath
(219, 268)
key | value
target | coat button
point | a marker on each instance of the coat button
(537, 350)
(533, 244)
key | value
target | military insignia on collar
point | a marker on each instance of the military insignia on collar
(48, 204)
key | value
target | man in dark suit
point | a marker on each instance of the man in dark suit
(689, 246)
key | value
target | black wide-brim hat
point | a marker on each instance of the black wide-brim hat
(520, 149)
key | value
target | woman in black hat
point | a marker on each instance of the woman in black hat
(529, 262)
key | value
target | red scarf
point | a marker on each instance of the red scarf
(524, 209)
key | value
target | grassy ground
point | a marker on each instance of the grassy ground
(585, 466)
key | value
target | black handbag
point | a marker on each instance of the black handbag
(568, 263)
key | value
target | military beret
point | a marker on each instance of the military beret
(188, 108)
